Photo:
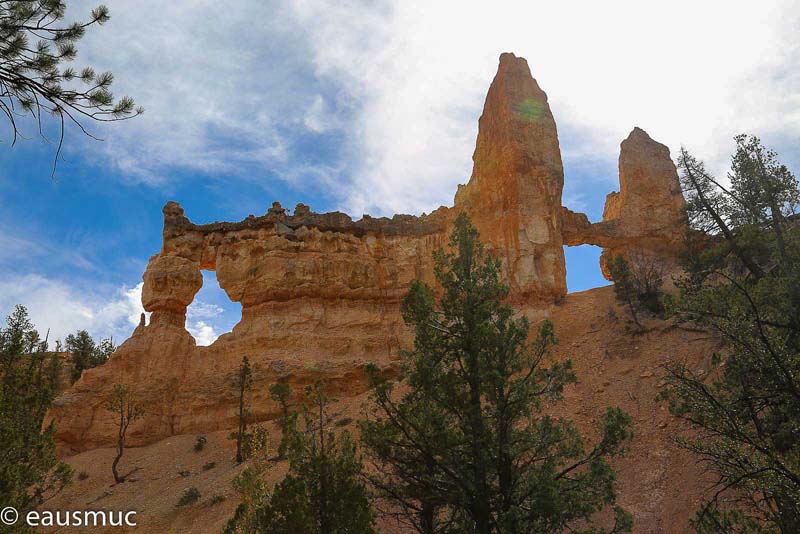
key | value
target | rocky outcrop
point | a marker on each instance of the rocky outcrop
(279, 257)
(321, 293)
(649, 199)
(514, 194)
(646, 218)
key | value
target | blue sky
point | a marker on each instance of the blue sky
(366, 107)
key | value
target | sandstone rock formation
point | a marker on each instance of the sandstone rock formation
(321, 293)
(320, 297)
(646, 217)
(514, 194)
(170, 284)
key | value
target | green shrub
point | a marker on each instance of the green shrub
(200, 443)
(189, 496)
(209, 465)
(637, 284)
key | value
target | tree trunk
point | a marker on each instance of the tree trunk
(480, 503)
(427, 514)
(632, 308)
(324, 520)
(120, 445)
(240, 435)
(120, 450)
(426, 518)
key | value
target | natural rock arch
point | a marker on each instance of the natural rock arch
(321, 293)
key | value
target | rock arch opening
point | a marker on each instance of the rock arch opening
(211, 313)
(583, 268)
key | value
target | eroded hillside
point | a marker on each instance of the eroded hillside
(658, 483)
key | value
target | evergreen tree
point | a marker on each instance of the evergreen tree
(244, 383)
(742, 282)
(624, 286)
(126, 408)
(280, 392)
(322, 492)
(36, 78)
(467, 447)
(102, 352)
(87, 354)
(29, 468)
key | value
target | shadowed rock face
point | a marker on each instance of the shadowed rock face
(321, 293)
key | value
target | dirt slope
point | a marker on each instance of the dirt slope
(658, 483)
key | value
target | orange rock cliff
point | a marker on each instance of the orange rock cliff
(321, 293)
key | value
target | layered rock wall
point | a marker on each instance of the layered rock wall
(320, 298)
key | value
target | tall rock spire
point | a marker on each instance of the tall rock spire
(514, 194)
(650, 198)
(649, 212)
(646, 220)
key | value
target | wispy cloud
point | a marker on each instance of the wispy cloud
(200, 309)
(12, 247)
(21, 249)
(217, 90)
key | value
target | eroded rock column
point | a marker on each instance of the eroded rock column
(649, 208)
(170, 284)
(514, 194)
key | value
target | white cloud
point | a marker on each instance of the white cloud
(208, 78)
(63, 309)
(125, 307)
(227, 89)
(203, 333)
(198, 308)
(318, 118)
(692, 73)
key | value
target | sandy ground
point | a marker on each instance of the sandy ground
(658, 483)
